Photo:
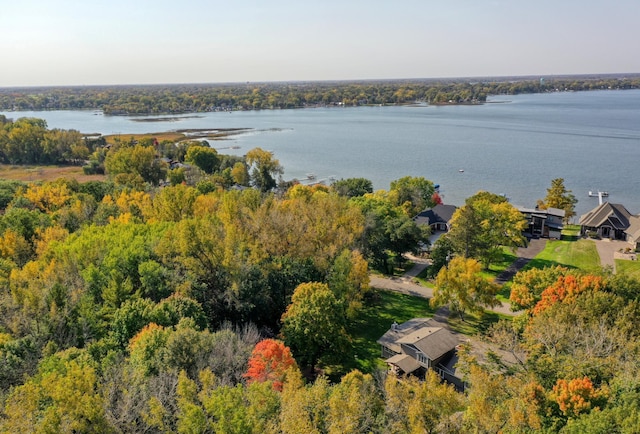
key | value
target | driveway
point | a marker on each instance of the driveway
(524, 255)
(607, 249)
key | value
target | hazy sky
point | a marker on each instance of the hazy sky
(75, 42)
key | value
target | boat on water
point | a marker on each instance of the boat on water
(598, 194)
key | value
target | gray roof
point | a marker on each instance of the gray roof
(397, 331)
(424, 334)
(405, 362)
(543, 213)
(555, 212)
(633, 232)
(438, 214)
(616, 215)
(434, 342)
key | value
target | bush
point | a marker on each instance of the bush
(93, 168)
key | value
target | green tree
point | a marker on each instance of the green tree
(240, 174)
(136, 161)
(355, 405)
(349, 280)
(412, 193)
(62, 398)
(462, 287)
(559, 197)
(352, 187)
(483, 225)
(204, 157)
(388, 229)
(314, 325)
(263, 169)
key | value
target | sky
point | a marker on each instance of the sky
(94, 42)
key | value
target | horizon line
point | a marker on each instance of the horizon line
(370, 80)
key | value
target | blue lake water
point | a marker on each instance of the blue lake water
(514, 145)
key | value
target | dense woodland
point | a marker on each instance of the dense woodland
(213, 297)
(156, 99)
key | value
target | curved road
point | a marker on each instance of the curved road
(406, 285)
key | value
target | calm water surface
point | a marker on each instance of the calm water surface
(514, 145)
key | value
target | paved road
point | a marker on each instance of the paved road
(524, 255)
(406, 285)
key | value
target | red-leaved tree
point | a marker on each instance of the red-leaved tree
(269, 361)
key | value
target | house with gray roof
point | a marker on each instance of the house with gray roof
(633, 232)
(420, 344)
(609, 220)
(543, 223)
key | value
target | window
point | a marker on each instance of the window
(422, 359)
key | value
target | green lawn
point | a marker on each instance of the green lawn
(373, 320)
(475, 324)
(581, 254)
(628, 268)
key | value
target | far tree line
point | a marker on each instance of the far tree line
(185, 98)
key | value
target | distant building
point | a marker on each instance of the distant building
(437, 218)
(612, 221)
(543, 223)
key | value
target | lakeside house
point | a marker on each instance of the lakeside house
(612, 221)
(413, 347)
(543, 223)
(437, 218)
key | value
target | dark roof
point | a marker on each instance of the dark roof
(616, 215)
(438, 214)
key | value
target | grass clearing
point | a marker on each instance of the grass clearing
(380, 310)
(581, 254)
(169, 136)
(628, 268)
(508, 257)
(475, 324)
(46, 173)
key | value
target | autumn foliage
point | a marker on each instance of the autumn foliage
(575, 396)
(269, 361)
(566, 289)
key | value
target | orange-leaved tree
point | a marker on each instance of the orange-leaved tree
(577, 395)
(566, 289)
(269, 361)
